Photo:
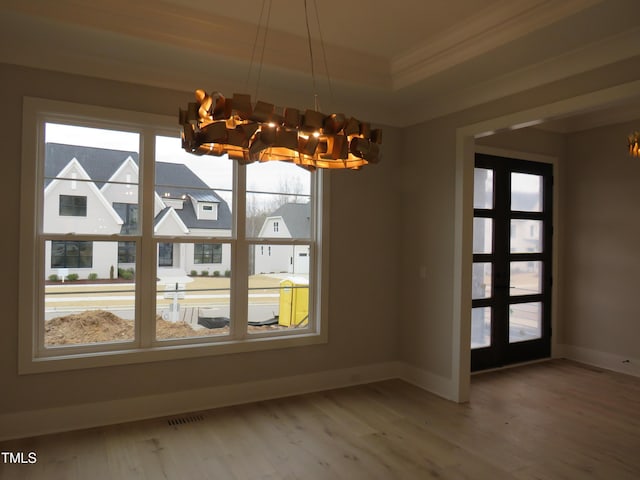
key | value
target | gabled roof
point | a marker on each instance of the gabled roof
(297, 217)
(99, 163)
(175, 179)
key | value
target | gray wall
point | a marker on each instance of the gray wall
(601, 242)
(363, 301)
(428, 195)
(387, 221)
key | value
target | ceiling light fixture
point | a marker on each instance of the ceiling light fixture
(634, 149)
(247, 132)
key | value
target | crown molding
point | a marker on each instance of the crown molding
(467, 39)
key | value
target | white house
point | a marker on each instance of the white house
(291, 220)
(94, 191)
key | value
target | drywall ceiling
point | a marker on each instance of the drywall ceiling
(399, 62)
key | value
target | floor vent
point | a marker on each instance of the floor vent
(184, 420)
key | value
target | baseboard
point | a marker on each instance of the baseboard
(75, 417)
(608, 361)
(436, 384)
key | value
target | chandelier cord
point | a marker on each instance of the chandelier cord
(324, 51)
(313, 73)
(264, 44)
(253, 50)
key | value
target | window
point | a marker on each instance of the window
(106, 208)
(126, 252)
(70, 254)
(73, 206)
(276, 226)
(165, 254)
(129, 214)
(207, 253)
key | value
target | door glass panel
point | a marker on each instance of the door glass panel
(526, 278)
(526, 192)
(481, 281)
(481, 327)
(525, 321)
(483, 188)
(482, 234)
(526, 236)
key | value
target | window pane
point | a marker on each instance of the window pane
(481, 281)
(526, 236)
(86, 172)
(279, 287)
(194, 301)
(526, 278)
(70, 254)
(194, 193)
(480, 327)
(483, 188)
(482, 235)
(526, 192)
(278, 201)
(87, 298)
(525, 321)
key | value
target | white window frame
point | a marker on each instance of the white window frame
(35, 358)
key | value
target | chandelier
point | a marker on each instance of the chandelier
(634, 149)
(247, 132)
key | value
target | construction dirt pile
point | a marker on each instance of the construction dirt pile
(96, 326)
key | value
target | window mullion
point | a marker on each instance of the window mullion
(240, 258)
(146, 254)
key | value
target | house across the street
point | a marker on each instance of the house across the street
(291, 220)
(95, 191)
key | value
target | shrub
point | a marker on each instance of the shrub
(72, 277)
(193, 273)
(111, 272)
(216, 273)
(127, 274)
(53, 278)
(93, 276)
(227, 273)
(204, 273)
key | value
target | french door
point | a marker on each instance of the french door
(512, 239)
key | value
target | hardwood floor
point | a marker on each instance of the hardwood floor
(553, 420)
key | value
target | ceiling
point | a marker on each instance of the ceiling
(397, 62)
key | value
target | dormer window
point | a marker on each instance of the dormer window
(207, 210)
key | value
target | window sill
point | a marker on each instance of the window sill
(164, 353)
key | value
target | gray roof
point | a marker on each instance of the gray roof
(176, 179)
(297, 217)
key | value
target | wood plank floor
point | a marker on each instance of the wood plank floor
(553, 420)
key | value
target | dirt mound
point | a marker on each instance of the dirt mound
(97, 326)
(92, 326)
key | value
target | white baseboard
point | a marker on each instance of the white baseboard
(75, 417)
(441, 386)
(608, 361)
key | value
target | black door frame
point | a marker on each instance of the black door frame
(502, 352)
